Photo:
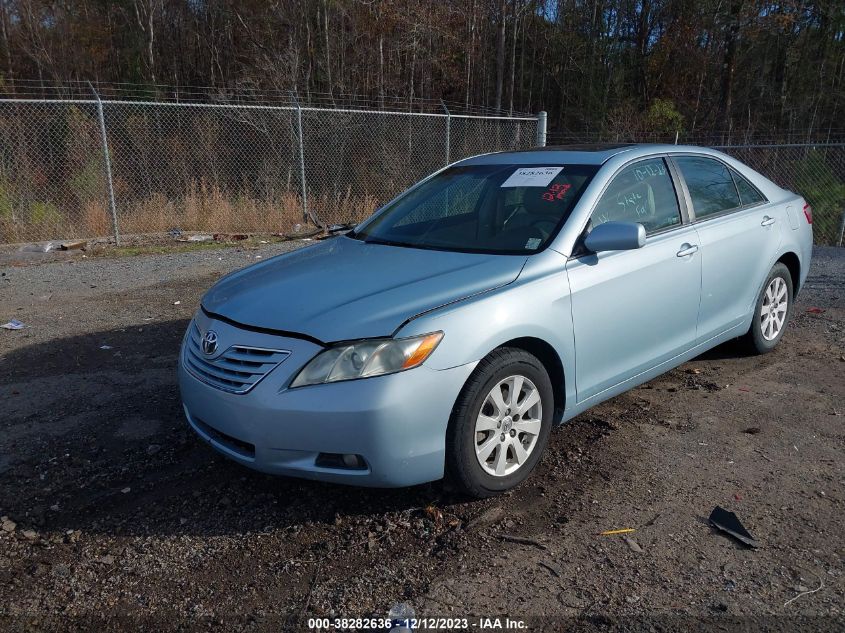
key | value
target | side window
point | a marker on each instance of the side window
(710, 185)
(642, 192)
(748, 193)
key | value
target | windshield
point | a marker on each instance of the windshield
(507, 209)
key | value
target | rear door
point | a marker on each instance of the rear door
(633, 310)
(740, 234)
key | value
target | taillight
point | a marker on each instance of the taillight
(808, 212)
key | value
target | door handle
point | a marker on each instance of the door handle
(687, 249)
(767, 221)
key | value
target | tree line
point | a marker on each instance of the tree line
(601, 68)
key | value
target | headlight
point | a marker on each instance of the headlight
(362, 359)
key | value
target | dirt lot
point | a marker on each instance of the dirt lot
(118, 515)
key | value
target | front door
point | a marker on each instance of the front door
(633, 310)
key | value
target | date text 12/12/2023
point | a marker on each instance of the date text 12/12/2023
(419, 624)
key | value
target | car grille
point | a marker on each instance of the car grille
(237, 370)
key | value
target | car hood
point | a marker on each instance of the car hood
(343, 288)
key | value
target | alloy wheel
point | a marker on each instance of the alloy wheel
(774, 308)
(508, 425)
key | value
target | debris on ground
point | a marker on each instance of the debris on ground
(619, 531)
(43, 247)
(815, 310)
(486, 518)
(105, 347)
(522, 540)
(728, 522)
(555, 571)
(229, 237)
(14, 324)
(434, 513)
(74, 245)
(632, 544)
(195, 238)
(176, 303)
(806, 592)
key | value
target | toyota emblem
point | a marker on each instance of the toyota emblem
(209, 343)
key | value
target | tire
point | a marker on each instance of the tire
(505, 466)
(767, 328)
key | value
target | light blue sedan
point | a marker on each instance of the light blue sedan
(447, 333)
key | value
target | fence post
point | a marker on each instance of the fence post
(301, 139)
(107, 158)
(541, 128)
(448, 129)
(841, 229)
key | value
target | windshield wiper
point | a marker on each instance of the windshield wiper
(344, 228)
(376, 240)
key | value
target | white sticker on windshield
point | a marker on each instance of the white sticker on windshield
(532, 177)
(532, 243)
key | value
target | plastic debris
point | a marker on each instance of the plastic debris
(42, 247)
(14, 324)
(196, 238)
(728, 523)
(105, 347)
(619, 531)
(176, 303)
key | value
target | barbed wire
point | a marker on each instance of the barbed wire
(167, 93)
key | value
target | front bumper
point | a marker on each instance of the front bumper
(396, 423)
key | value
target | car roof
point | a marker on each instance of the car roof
(585, 154)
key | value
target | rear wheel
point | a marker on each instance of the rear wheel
(772, 312)
(500, 424)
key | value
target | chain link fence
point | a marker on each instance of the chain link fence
(87, 169)
(816, 171)
(82, 168)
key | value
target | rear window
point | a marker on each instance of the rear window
(507, 209)
(710, 185)
(748, 193)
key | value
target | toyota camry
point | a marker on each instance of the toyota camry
(446, 334)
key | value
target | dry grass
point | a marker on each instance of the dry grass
(204, 208)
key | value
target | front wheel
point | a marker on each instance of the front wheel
(500, 424)
(772, 311)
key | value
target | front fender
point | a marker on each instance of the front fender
(536, 305)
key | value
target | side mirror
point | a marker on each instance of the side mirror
(616, 236)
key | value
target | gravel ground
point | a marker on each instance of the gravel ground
(116, 515)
